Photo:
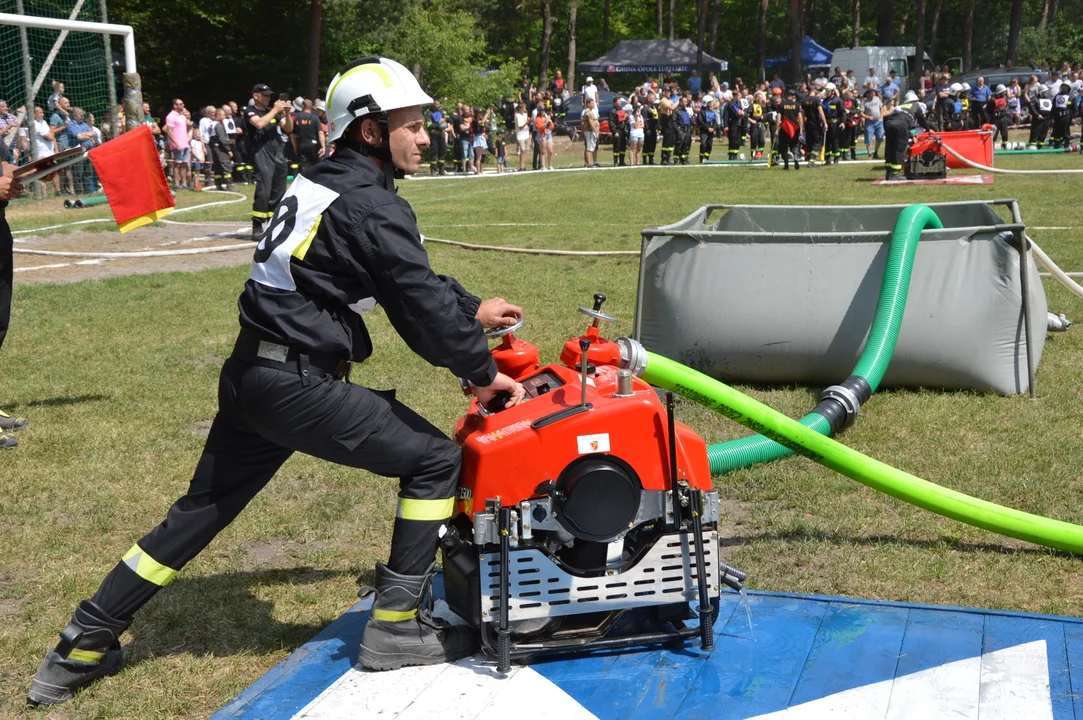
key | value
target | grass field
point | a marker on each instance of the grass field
(118, 378)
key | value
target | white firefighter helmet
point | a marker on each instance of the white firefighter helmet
(369, 86)
(910, 96)
(1000, 90)
(830, 86)
(955, 88)
(965, 87)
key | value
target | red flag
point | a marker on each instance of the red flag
(133, 179)
(789, 127)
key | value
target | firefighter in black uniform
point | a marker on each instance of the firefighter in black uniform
(437, 121)
(996, 108)
(774, 117)
(851, 124)
(1039, 120)
(667, 126)
(341, 240)
(757, 116)
(682, 120)
(815, 122)
(650, 129)
(221, 153)
(619, 129)
(833, 112)
(308, 139)
(707, 120)
(263, 121)
(790, 130)
(909, 114)
(1062, 117)
(733, 115)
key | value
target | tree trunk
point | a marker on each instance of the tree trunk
(547, 36)
(1052, 13)
(672, 15)
(968, 36)
(315, 31)
(810, 18)
(796, 35)
(885, 23)
(605, 25)
(1045, 15)
(714, 26)
(856, 32)
(660, 13)
(1014, 26)
(933, 32)
(761, 42)
(573, 10)
(701, 31)
(919, 43)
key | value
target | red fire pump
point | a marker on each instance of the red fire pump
(585, 517)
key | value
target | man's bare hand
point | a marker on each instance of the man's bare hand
(502, 382)
(498, 312)
(10, 188)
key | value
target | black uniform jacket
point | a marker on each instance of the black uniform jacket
(340, 238)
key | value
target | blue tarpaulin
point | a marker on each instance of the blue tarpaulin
(811, 54)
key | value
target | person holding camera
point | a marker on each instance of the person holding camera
(268, 130)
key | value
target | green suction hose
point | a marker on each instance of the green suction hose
(724, 400)
(839, 405)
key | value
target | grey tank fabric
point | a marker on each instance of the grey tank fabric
(787, 295)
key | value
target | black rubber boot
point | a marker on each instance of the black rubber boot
(401, 630)
(89, 649)
(257, 229)
(889, 175)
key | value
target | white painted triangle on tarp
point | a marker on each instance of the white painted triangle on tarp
(470, 689)
(1007, 684)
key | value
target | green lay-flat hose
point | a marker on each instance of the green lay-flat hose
(726, 401)
(872, 365)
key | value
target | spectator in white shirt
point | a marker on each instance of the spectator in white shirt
(872, 81)
(590, 90)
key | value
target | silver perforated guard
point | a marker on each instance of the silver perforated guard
(540, 588)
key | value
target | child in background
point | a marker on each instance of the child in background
(199, 159)
(501, 153)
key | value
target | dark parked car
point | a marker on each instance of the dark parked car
(1000, 76)
(569, 124)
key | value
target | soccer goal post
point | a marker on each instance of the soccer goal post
(68, 53)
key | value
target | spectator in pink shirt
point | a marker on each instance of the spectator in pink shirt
(176, 129)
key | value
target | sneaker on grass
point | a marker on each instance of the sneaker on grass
(7, 440)
(8, 422)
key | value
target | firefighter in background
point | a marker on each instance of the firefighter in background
(437, 123)
(851, 124)
(963, 120)
(815, 122)
(832, 110)
(707, 120)
(1039, 120)
(733, 116)
(650, 129)
(791, 128)
(619, 128)
(221, 152)
(667, 126)
(1062, 117)
(908, 115)
(996, 108)
(757, 118)
(774, 116)
(682, 121)
(266, 122)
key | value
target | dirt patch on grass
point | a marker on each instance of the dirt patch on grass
(31, 268)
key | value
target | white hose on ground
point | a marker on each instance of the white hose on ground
(1061, 276)
(532, 251)
(986, 168)
(143, 253)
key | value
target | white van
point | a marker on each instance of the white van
(880, 57)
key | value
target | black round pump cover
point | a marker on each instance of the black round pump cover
(599, 497)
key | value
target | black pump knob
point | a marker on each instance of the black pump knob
(584, 345)
(599, 298)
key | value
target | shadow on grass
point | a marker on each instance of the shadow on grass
(228, 614)
(876, 540)
(65, 400)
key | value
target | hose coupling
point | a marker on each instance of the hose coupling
(633, 356)
(731, 576)
(1057, 322)
(849, 401)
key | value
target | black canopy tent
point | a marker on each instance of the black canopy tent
(651, 56)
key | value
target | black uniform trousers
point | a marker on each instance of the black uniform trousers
(734, 130)
(270, 167)
(834, 149)
(1039, 126)
(222, 164)
(650, 144)
(789, 144)
(266, 414)
(706, 144)
(684, 142)
(437, 151)
(669, 137)
(7, 274)
(814, 137)
(1062, 121)
(620, 146)
(756, 136)
(1000, 121)
(896, 140)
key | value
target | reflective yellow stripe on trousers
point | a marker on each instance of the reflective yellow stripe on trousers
(147, 567)
(412, 509)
